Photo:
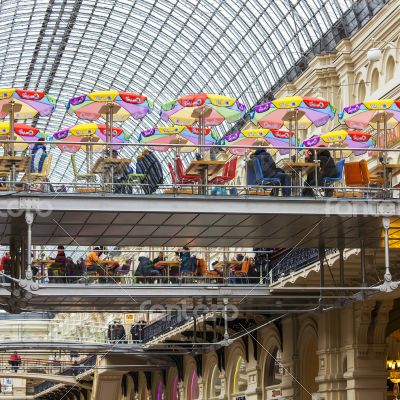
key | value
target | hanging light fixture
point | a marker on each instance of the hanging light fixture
(393, 367)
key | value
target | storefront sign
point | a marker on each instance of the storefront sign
(129, 319)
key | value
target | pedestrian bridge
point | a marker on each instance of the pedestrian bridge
(67, 380)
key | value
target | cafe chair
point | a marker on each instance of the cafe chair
(260, 180)
(357, 176)
(330, 181)
(176, 181)
(41, 176)
(180, 172)
(242, 274)
(339, 168)
(124, 272)
(207, 275)
(228, 174)
(78, 176)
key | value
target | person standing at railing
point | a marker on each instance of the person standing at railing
(14, 361)
(5, 266)
(39, 154)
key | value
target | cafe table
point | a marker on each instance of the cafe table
(168, 265)
(392, 170)
(223, 267)
(107, 167)
(297, 169)
(204, 168)
(10, 165)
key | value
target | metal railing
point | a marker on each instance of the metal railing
(75, 370)
(109, 181)
(294, 260)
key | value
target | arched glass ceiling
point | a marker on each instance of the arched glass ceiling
(161, 48)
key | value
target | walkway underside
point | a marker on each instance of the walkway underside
(215, 222)
(84, 348)
(159, 298)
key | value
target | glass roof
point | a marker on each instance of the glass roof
(160, 48)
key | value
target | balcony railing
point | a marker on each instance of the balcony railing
(109, 175)
(294, 260)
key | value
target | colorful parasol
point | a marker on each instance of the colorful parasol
(170, 135)
(374, 113)
(86, 135)
(381, 115)
(110, 105)
(258, 137)
(187, 110)
(25, 104)
(294, 112)
(25, 134)
(342, 138)
(203, 109)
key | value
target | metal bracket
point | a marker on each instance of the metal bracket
(388, 285)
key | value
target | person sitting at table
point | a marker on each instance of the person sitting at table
(146, 268)
(93, 261)
(270, 170)
(39, 154)
(185, 259)
(120, 176)
(57, 268)
(326, 169)
(157, 262)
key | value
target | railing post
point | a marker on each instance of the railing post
(321, 252)
(362, 264)
(388, 285)
(341, 267)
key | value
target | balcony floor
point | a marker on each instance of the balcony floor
(278, 222)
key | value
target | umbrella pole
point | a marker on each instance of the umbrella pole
(107, 128)
(202, 126)
(110, 129)
(11, 151)
(290, 140)
(296, 128)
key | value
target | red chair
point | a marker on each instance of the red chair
(180, 171)
(228, 174)
(179, 180)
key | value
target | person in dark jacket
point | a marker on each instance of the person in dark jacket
(39, 154)
(326, 169)
(270, 170)
(120, 332)
(149, 165)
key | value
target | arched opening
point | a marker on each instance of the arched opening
(215, 384)
(390, 69)
(308, 365)
(273, 368)
(160, 395)
(144, 392)
(361, 91)
(194, 391)
(174, 390)
(239, 377)
(374, 80)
